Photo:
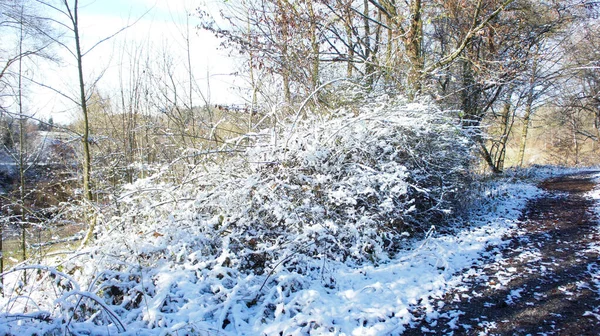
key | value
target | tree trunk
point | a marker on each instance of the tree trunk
(470, 96)
(528, 111)
(575, 139)
(506, 128)
(22, 175)
(388, 52)
(524, 132)
(285, 66)
(22, 154)
(348, 26)
(485, 153)
(369, 66)
(87, 158)
(314, 43)
(597, 127)
(413, 43)
(253, 83)
(287, 95)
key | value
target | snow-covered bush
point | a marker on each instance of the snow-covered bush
(350, 188)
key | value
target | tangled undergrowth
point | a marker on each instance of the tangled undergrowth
(227, 248)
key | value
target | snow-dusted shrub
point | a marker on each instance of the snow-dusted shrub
(353, 186)
(244, 234)
(56, 301)
(349, 188)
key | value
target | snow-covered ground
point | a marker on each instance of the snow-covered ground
(595, 194)
(341, 300)
(594, 268)
(318, 229)
(377, 300)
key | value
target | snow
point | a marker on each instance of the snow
(331, 234)
(341, 300)
(594, 268)
(514, 294)
(595, 194)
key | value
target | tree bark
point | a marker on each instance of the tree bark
(314, 43)
(285, 66)
(528, 111)
(85, 140)
(524, 132)
(349, 34)
(369, 64)
(22, 153)
(575, 139)
(413, 41)
(506, 128)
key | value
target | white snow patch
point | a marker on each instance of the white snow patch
(514, 294)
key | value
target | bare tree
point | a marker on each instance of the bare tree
(539, 84)
(20, 22)
(69, 20)
(490, 70)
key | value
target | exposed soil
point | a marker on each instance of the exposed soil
(540, 283)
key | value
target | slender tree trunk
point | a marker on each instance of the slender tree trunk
(369, 66)
(377, 44)
(597, 126)
(87, 158)
(575, 140)
(253, 83)
(22, 153)
(350, 42)
(469, 96)
(506, 127)
(22, 174)
(285, 66)
(194, 132)
(473, 114)
(388, 52)
(314, 43)
(485, 153)
(528, 111)
(287, 94)
(524, 133)
(87, 191)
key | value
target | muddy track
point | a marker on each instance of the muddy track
(541, 283)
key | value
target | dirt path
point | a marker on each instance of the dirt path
(542, 283)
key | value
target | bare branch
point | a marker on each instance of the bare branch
(116, 33)
(475, 28)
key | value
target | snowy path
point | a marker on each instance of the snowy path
(546, 281)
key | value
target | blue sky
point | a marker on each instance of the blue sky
(159, 9)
